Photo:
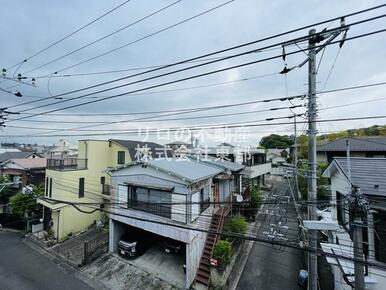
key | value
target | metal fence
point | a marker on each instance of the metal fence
(93, 249)
(82, 250)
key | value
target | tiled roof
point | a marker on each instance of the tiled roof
(12, 155)
(360, 144)
(367, 173)
(29, 163)
(131, 145)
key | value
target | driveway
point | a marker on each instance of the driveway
(22, 267)
(121, 274)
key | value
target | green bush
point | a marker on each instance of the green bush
(255, 201)
(236, 225)
(222, 251)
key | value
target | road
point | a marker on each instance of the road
(24, 268)
(269, 268)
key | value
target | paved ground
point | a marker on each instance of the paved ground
(22, 267)
(119, 274)
(273, 268)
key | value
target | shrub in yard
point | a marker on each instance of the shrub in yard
(236, 225)
(255, 201)
(222, 252)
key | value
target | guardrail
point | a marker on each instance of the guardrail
(66, 164)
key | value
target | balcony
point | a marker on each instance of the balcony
(66, 164)
(257, 170)
(153, 208)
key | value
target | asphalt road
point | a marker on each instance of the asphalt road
(269, 268)
(24, 268)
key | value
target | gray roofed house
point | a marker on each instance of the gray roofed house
(359, 147)
(17, 155)
(184, 168)
(367, 173)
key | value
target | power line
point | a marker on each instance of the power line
(104, 37)
(178, 89)
(151, 119)
(145, 37)
(230, 48)
(172, 82)
(205, 127)
(69, 35)
(230, 105)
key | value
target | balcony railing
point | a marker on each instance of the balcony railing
(153, 208)
(66, 164)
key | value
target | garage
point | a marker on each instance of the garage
(152, 253)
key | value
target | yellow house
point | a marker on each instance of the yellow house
(83, 179)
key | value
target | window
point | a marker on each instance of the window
(103, 180)
(121, 157)
(151, 200)
(380, 236)
(204, 199)
(340, 207)
(81, 187)
(50, 190)
(47, 184)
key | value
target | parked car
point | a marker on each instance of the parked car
(132, 245)
(172, 246)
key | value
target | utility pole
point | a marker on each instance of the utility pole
(358, 209)
(312, 213)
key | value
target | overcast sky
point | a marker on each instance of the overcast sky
(29, 26)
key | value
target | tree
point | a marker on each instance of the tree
(23, 203)
(322, 192)
(276, 141)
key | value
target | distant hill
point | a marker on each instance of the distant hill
(376, 130)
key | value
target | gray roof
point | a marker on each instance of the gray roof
(14, 155)
(131, 145)
(367, 173)
(185, 168)
(360, 144)
(229, 165)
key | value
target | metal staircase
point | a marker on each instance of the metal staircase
(217, 223)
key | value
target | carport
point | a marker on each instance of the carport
(155, 261)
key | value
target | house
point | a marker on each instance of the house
(254, 161)
(17, 155)
(83, 179)
(359, 147)
(276, 156)
(25, 170)
(369, 174)
(169, 199)
(64, 148)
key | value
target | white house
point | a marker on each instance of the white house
(167, 198)
(369, 174)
